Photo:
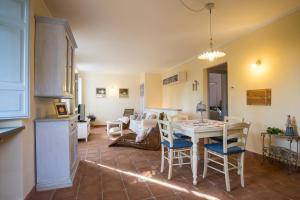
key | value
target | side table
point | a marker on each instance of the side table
(83, 129)
(279, 153)
(110, 125)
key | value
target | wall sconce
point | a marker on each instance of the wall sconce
(195, 85)
(256, 65)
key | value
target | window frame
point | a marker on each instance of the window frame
(24, 26)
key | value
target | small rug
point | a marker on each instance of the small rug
(151, 142)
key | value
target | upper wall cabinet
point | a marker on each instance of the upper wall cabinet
(54, 58)
(14, 73)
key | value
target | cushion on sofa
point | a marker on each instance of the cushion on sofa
(142, 135)
(151, 116)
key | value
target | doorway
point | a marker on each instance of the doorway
(217, 92)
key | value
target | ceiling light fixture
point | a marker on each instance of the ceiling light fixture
(211, 55)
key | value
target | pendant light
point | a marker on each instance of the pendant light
(211, 55)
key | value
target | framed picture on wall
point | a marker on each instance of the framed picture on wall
(101, 92)
(123, 92)
(61, 109)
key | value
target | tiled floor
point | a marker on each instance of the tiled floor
(114, 173)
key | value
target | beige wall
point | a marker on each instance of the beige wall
(181, 95)
(111, 107)
(153, 90)
(20, 161)
(278, 47)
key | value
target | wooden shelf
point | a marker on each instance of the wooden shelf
(282, 136)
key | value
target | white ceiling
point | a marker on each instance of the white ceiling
(132, 36)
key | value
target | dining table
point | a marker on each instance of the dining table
(197, 129)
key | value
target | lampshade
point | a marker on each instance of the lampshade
(211, 55)
(200, 107)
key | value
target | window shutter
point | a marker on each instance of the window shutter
(14, 72)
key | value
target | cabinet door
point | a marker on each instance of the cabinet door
(73, 148)
(72, 79)
(69, 66)
(14, 73)
(66, 71)
(72, 155)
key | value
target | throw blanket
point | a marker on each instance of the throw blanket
(151, 141)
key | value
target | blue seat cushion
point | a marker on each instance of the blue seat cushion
(178, 144)
(218, 148)
(220, 139)
(181, 136)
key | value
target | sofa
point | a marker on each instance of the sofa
(139, 123)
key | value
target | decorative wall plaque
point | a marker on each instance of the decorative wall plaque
(259, 97)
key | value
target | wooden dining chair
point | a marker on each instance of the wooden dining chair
(215, 151)
(230, 119)
(176, 148)
(177, 133)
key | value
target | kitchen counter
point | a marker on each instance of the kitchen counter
(4, 131)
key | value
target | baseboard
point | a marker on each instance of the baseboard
(99, 125)
(54, 185)
(75, 170)
(30, 194)
(254, 154)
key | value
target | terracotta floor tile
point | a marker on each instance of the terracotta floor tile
(158, 189)
(171, 197)
(106, 177)
(138, 191)
(44, 195)
(65, 193)
(115, 195)
(112, 185)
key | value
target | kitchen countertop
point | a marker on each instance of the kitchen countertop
(4, 131)
(54, 118)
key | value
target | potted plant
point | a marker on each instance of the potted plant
(92, 119)
(274, 131)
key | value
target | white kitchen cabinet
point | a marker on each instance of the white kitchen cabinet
(56, 152)
(54, 58)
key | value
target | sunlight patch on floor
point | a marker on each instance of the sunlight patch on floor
(206, 196)
(152, 180)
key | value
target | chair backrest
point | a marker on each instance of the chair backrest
(178, 117)
(237, 131)
(128, 112)
(233, 119)
(166, 130)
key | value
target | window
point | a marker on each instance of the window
(14, 72)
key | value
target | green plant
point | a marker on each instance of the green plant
(274, 131)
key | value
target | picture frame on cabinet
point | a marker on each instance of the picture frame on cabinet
(61, 109)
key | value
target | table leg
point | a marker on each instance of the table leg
(121, 128)
(107, 129)
(263, 148)
(195, 160)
